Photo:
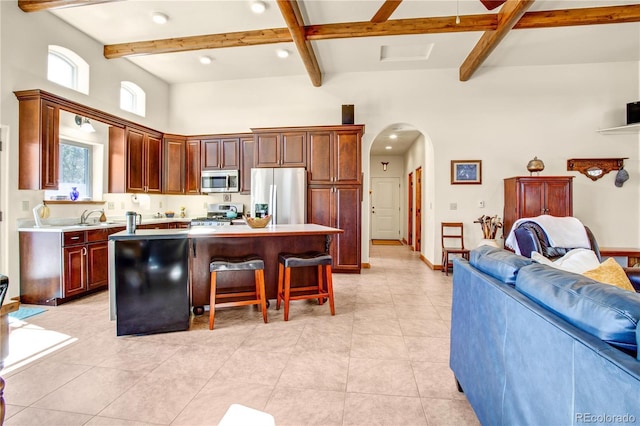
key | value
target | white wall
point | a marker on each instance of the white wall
(502, 116)
(24, 40)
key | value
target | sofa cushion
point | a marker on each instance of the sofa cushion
(501, 264)
(577, 260)
(602, 310)
(610, 272)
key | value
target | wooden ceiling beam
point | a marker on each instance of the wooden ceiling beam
(293, 18)
(385, 11)
(38, 5)
(509, 15)
(576, 17)
(481, 22)
(184, 44)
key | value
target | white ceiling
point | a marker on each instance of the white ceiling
(128, 21)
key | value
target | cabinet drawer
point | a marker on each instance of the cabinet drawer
(97, 235)
(76, 237)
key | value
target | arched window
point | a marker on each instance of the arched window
(68, 69)
(132, 98)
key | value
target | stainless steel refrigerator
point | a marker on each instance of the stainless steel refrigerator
(283, 191)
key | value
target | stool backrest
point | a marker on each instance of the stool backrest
(452, 234)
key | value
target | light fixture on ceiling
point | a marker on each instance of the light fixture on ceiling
(384, 165)
(205, 60)
(393, 136)
(258, 7)
(159, 18)
(282, 53)
(388, 147)
(84, 124)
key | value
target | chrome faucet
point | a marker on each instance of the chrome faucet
(84, 216)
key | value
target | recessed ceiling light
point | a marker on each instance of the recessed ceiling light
(388, 147)
(159, 18)
(205, 60)
(258, 7)
(282, 53)
(393, 136)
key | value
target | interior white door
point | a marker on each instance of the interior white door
(385, 208)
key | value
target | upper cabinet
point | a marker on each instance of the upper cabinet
(135, 160)
(38, 149)
(220, 153)
(334, 155)
(280, 148)
(246, 163)
(174, 165)
(192, 167)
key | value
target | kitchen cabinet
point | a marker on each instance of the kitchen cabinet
(56, 267)
(246, 163)
(192, 165)
(220, 153)
(144, 161)
(135, 160)
(280, 148)
(173, 177)
(531, 196)
(335, 155)
(38, 146)
(338, 206)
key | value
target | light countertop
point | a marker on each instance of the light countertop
(228, 231)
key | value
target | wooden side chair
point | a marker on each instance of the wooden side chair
(452, 235)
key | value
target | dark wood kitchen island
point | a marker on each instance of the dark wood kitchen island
(239, 240)
(243, 240)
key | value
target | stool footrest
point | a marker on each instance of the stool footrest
(238, 303)
(230, 295)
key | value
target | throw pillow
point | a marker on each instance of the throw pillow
(610, 272)
(577, 260)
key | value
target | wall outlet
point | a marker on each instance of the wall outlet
(481, 204)
(25, 205)
(453, 206)
(111, 205)
(226, 198)
(160, 204)
(121, 205)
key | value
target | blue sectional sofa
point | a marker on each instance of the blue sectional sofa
(534, 345)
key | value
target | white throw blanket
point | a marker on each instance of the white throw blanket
(566, 232)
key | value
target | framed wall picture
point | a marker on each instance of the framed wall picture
(466, 172)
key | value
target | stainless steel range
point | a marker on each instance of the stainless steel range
(217, 215)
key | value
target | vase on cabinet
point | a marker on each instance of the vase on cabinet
(74, 194)
(488, 242)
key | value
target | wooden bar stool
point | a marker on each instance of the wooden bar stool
(226, 264)
(286, 261)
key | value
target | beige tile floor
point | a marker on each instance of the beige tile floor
(381, 360)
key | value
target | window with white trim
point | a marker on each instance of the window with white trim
(132, 98)
(67, 68)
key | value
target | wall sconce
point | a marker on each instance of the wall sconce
(84, 124)
(384, 165)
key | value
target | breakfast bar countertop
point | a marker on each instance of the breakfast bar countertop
(230, 231)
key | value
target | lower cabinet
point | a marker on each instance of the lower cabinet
(338, 206)
(59, 266)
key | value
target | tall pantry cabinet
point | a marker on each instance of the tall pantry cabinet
(334, 194)
(531, 196)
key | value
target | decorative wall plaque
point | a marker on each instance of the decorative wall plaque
(595, 168)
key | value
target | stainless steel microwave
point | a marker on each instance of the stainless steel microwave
(220, 181)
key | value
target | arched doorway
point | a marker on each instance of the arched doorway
(396, 153)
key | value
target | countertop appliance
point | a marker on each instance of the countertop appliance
(283, 190)
(151, 283)
(220, 181)
(217, 215)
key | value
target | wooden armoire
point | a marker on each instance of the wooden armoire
(531, 196)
